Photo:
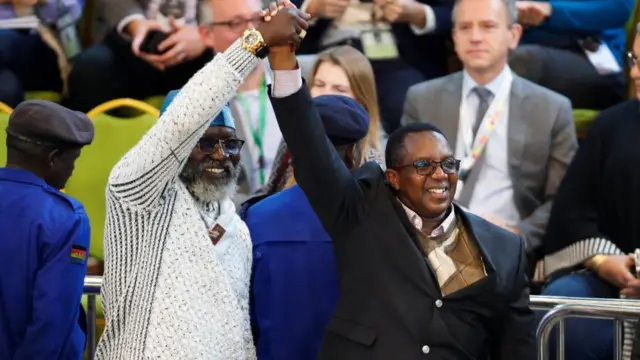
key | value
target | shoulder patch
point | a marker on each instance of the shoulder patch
(78, 254)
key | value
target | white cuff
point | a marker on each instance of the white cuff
(286, 82)
(430, 23)
(124, 22)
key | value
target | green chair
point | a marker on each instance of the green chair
(5, 111)
(114, 137)
(43, 95)
(155, 101)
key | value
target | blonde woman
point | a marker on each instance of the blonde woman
(340, 70)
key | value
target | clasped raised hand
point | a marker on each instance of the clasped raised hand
(283, 24)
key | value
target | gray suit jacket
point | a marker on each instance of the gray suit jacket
(541, 140)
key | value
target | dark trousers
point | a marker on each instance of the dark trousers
(392, 85)
(569, 73)
(109, 70)
(585, 339)
(26, 63)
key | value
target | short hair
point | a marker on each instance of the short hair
(395, 144)
(510, 6)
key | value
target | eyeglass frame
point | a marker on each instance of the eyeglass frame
(433, 166)
(235, 24)
(632, 60)
(219, 143)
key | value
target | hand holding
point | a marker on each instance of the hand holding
(533, 13)
(615, 269)
(283, 25)
(183, 44)
(138, 30)
(328, 9)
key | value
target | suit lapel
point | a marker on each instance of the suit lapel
(517, 127)
(425, 277)
(449, 113)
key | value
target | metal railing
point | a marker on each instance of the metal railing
(558, 309)
(556, 316)
(92, 285)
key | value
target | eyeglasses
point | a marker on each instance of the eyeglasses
(229, 147)
(632, 60)
(428, 167)
(237, 24)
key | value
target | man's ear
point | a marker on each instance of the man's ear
(206, 36)
(393, 178)
(53, 157)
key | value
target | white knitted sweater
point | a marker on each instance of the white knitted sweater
(168, 292)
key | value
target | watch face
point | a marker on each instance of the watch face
(251, 38)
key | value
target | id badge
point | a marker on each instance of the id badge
(379, 44)
(68, 36)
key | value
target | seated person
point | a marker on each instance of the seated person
(292, 250)
(411, 46)
(117, 67)
(340, 70)
(594, 225)
(576, 48)
(27, 61)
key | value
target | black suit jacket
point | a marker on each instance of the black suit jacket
(390, 303)
(426, 53)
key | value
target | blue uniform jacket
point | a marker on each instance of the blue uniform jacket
(294, 280)
(44, 244)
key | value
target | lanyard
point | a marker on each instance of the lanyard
(473, 146)
(257, 134)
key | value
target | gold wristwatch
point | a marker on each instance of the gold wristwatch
(253, 42)
(596, 261)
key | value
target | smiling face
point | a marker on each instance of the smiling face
(212, 170)
(430, 196)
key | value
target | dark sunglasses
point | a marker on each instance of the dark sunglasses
(428, 167)
(229, 146)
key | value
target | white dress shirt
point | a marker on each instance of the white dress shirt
(493, 192)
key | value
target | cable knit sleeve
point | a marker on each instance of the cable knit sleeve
(149, 170)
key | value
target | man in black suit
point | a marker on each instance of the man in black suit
(419, 277)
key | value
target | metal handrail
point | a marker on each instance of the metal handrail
(542, 302)
(556, 315)
(559, 308)
(92, 286)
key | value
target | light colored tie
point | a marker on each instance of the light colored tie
(484, 97)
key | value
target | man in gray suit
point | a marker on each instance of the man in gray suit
(515, 139)
(121, 66)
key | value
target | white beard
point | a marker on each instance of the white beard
(208, 193)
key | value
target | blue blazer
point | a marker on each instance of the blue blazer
(294, 282)
(579, 18)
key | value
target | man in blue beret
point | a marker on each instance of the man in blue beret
(294, 280)
(177, 255)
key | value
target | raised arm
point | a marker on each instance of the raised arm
(331, 189)
(151, 168)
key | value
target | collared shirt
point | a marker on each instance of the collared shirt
(44, 248)
(444, 227)
(493, 192)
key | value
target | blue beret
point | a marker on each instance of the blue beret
(344, 119)
(223, 118)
